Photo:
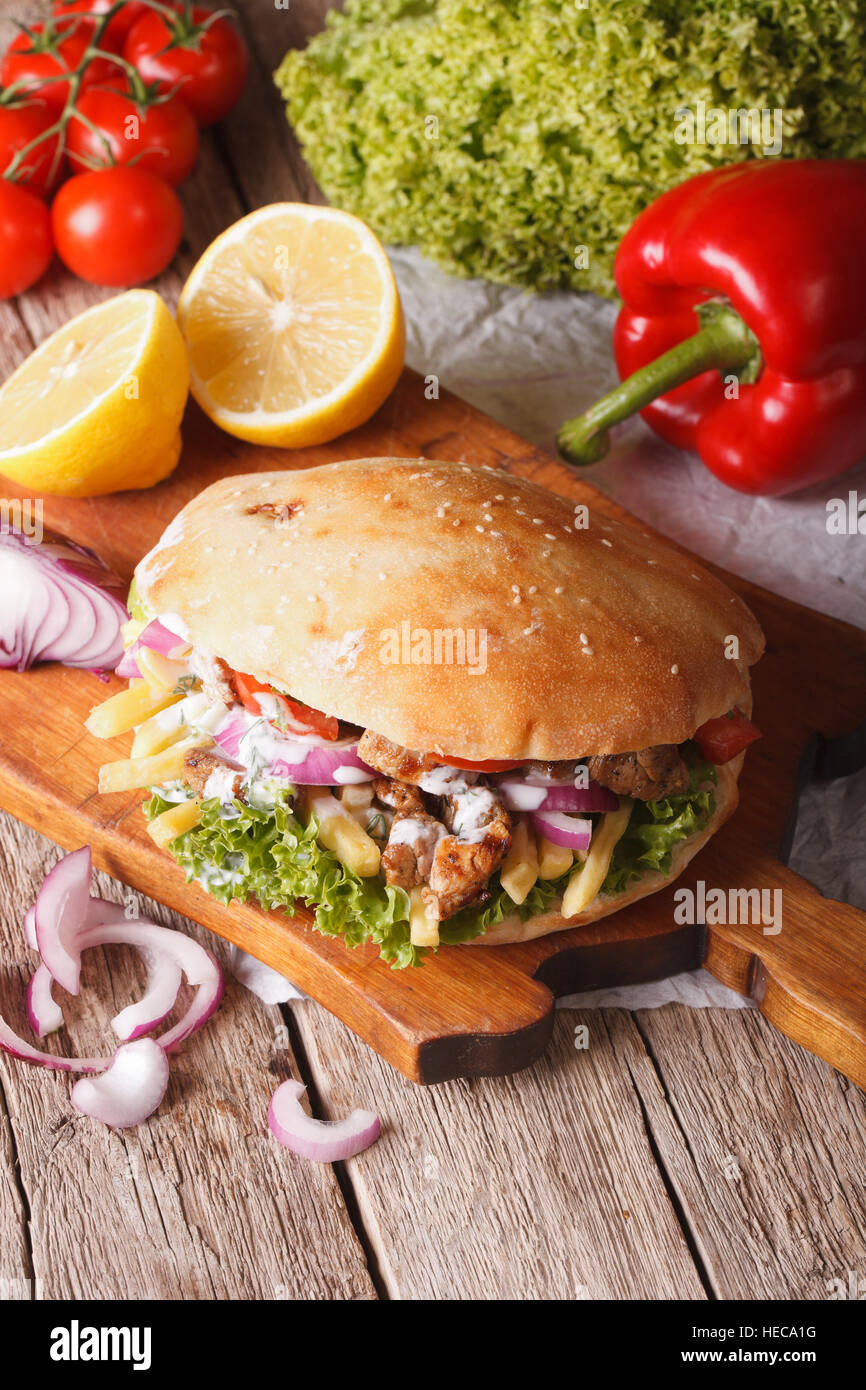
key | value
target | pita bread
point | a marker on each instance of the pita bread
(597, 637)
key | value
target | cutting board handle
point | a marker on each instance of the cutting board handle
(808, 977)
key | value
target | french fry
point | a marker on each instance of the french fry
(586, 881)
(520, 866)
(177, 820)
(125, 710)
(160, 672)
(341, 833)
(553, 860)
(356, 796)
(130, 630)
(129, 773)
(423, 926)
(150, 739)
(168, 726)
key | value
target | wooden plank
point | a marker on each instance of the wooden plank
(258, 142)
(198, 1203)
(539, 1186)
(762, 1144)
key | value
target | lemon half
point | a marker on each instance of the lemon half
(293, 325)
(97, 407)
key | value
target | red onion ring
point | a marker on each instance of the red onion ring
(130, 1088)
(61, 603)
(156, 638)
(323, 1141)
(569, 831)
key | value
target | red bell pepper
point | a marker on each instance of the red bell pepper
(767, 261)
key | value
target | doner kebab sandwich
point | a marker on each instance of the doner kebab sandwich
(435, 703)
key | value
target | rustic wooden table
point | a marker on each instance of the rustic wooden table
(683, 1154)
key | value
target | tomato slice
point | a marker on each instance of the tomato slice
(301, 719)
(485, 765)
(246, 686)
(722, 739)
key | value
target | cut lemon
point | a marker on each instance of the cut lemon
(293, 325)
(97, 407)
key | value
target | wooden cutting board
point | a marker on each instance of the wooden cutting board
(483, 1011)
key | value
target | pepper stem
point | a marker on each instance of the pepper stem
(723, 341)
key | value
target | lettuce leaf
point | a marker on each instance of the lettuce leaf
(657, 827)
(518, 139)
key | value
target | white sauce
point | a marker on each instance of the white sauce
(422, 837)
(175, 623)
(521, 796)
(473, 812)
(442, 781)
(221, 784)
(348, 776)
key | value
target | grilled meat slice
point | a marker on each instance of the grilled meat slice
(198, 766)
(392, 760)
(649, 775)
(215, 676)
(462, 868)
(400, 796)
(408, 857)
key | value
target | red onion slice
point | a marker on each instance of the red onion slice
(569, 831)
(590, 798)
(60, 604)
(200, 966)
(525, 795)
(324, 1141)
(326, 767)
(44, 1014)
(156, 638)
(61, 908)
(130, 1088)
(229, 737)
(25, 1052)
(30, 928)
(164, 979)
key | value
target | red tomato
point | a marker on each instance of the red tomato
(160, 135)
(47, 51)
(26, 247)
(246, 687)
(722, 739)
(486, 764)
(117, 28)
(302, 719)
(117, 226)
(20, 125)
(206, 62)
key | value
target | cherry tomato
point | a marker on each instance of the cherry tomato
(159, 134)
(47, 51)
(486, 764)
(302, 719)
(117, 28)
(117, 226)
(26, 247)
(206, 62)
(20, 124)
(722, 739)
